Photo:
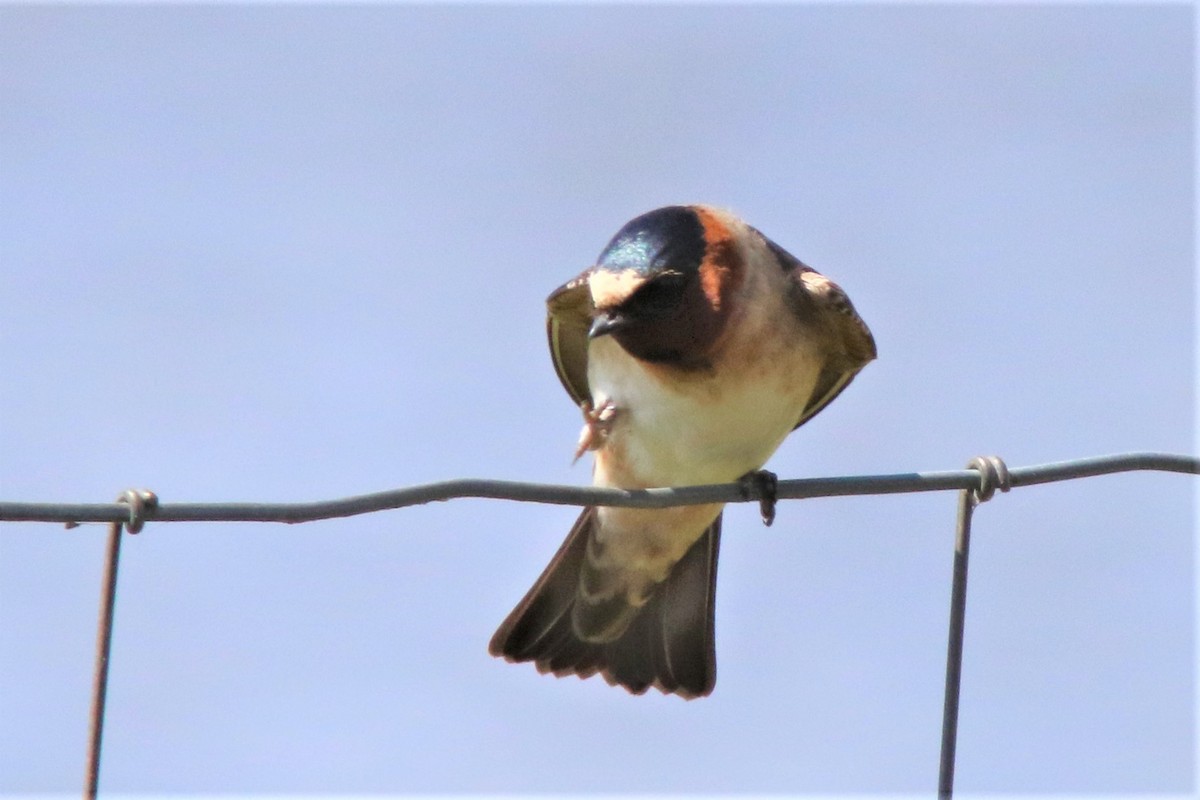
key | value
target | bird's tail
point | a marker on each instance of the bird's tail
(668, 644)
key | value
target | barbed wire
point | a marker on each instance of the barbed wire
(738, 492)
(976, 485)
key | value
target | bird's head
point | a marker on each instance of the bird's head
(663, 286)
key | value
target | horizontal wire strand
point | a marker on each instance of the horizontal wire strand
(520, 491)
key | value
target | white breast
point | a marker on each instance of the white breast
(674, 429)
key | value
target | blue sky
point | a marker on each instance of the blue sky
(256, 253)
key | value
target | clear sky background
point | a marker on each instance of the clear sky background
(253, 253)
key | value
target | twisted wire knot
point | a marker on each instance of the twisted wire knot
(993, 475)
(139, 501)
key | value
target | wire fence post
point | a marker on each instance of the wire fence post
(954, 646)
(136, 503)
(993, 475)
(108, 596)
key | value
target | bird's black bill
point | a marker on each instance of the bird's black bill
(607, 322)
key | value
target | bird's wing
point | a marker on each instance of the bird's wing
(849, 341)
(569, 316)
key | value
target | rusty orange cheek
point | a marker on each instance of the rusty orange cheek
(721, 270)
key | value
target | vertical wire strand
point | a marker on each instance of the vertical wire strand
(108, 596)
(954, 645)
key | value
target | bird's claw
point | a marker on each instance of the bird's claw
(763, 485)
(597, 424)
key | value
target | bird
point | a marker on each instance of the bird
(693, 347)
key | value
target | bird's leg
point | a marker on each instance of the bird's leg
(763, 485)
(597, 424)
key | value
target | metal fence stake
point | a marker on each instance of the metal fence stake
(954, 646)
(993, 475)
(108, 596)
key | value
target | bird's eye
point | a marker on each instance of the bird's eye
(659, 295)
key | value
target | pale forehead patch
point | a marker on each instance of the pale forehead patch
(613, 288)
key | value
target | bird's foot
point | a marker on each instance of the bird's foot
(597, 424)
(762, 485)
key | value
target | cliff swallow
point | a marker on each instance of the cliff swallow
(694, 346)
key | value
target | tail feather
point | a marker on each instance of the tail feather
(668, 645)
(534, 629)
(685, 616)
